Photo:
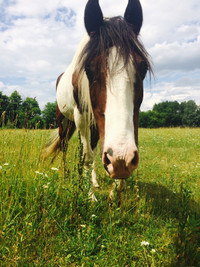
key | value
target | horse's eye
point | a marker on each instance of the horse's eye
(89, 73)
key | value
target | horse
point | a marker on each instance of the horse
(101, 91)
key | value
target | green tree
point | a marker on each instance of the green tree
(30, 112)
(151, 119)
(4, 104)
(171, 113)
(198, 117)
(190, 114)
(49, 115)
(15, 102)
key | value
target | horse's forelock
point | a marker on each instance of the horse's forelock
(115, 32)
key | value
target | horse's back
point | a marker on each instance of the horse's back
(65, 98)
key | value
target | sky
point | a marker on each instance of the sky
(39, 38)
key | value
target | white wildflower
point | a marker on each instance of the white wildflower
(54, 169)
(6, 164)
(40, 173)
(83, 226)
(46, 186)
(1, 167)
(153, 251)
(144, 243)
(93, 216)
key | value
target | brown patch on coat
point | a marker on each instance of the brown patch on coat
(97, 87)
(75, 83)
(138, 93)
(97, 82)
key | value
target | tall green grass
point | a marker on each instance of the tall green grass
(47, 218)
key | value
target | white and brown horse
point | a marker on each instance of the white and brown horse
(101, 91)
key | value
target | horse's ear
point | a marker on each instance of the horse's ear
(93, 16)
(133, 15)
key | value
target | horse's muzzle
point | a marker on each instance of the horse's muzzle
(120, 168)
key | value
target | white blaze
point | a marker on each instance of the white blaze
(119, 127)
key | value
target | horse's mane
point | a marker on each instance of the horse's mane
(115, 32)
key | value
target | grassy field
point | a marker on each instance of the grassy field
(47, 219)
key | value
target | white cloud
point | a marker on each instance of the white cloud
(38, 40)
(178, 56)
(181, 89)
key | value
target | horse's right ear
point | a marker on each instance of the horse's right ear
(93, 16)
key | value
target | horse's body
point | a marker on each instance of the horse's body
(101, 91)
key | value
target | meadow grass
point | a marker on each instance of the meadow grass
(47, 218)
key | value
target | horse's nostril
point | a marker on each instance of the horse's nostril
(106, 159)
(106, 168)
(135, 160)
(106, 162)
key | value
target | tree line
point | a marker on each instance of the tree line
(18, 113)
(171, 114)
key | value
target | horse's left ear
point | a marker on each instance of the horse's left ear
(133, 15)
(93, 16)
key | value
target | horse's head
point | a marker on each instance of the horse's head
(116, 63)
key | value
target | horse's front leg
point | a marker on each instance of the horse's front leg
(94, 176)
(116, 192)
(84, 129)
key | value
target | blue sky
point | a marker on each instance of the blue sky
(38, 40)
